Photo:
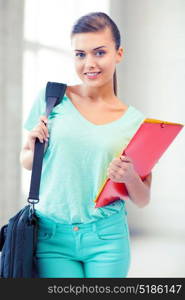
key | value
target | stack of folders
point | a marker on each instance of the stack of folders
(145, 149)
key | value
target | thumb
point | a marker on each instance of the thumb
(44, 119)
(125, 158)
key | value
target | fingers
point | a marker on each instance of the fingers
(43, 124)
(113, 168)
(44, 119)
(118, 166)
(41, 131)
(118, 162)
(43, 127)
(115, 173)
(36, 133)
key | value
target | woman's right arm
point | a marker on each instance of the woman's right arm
(41, 132)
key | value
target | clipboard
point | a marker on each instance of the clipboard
(148, 144)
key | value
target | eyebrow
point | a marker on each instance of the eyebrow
(93, 49)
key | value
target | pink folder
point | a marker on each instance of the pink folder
(145, 149)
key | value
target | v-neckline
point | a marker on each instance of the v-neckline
(96, 125)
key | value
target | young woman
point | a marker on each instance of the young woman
(86, 132)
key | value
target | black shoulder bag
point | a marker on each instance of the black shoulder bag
(18, 238)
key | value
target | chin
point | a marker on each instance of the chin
(95, 84)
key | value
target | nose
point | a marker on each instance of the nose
(90, 62)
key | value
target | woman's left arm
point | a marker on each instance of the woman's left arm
(122, 170)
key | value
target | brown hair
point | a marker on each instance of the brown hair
(98, 21)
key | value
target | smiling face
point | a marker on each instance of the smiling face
(95, 52)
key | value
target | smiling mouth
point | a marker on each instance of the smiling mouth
(92, 74)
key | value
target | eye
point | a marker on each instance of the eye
(80, 54)
(101, 52)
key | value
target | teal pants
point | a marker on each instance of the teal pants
(85, 250)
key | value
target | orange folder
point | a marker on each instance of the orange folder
(145, 148)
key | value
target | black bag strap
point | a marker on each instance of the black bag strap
(53, 96)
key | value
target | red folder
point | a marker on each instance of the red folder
(145, 148)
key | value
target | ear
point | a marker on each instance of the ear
(119, 55)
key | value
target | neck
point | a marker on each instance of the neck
(103, 93)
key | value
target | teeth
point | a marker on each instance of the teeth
(92, 74)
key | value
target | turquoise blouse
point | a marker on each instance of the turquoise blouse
(76, 160)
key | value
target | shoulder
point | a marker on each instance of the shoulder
(39, 99)
(72, 90)
(137, 113)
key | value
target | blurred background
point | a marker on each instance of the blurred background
(35, 48)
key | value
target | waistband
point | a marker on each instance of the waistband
(117, 217)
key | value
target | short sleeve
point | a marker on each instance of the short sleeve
(38, 108)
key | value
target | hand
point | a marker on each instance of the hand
(40, 131)
(121, 169)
